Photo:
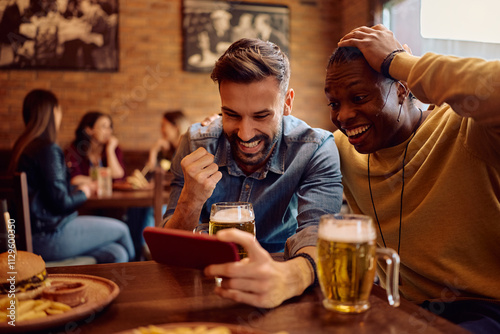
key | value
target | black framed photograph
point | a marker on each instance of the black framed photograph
(209, 27)
(80, 35)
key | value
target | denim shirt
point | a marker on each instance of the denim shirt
(300, 182)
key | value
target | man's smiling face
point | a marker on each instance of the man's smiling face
(364, 105)
(252, 117)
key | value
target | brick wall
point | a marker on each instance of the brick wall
(150, 77)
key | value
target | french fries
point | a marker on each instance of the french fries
(151, 329)
(137, 180)
(31, 309)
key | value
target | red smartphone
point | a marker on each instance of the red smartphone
(187, 249)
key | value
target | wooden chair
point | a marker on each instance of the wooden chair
(15, 190)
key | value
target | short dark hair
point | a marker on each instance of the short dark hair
(249, 60)
(345, 55)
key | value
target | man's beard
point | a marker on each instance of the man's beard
(252, 159)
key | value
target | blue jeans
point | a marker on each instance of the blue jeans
(106, 239)
(137, 219)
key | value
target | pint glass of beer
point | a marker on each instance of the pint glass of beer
(347, 256)
(237, 215)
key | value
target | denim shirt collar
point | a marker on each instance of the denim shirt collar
(275, 164)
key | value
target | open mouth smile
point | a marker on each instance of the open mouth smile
(251, 144)
(250, 147)
(357, 132)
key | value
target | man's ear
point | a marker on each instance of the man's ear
(287, 109)
(402, 91)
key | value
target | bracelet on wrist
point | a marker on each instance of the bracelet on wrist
(384, 68)
(313, 265)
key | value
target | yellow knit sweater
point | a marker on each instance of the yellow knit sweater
(450, 235)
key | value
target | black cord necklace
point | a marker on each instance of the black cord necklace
(402, 188)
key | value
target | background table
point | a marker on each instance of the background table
(152, 293)
(116, 205)
(123, 199)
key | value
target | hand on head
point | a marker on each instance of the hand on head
(257, 280)
(376, 43)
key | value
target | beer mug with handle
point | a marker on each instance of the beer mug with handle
(347, 256)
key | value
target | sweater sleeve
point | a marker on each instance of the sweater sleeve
(471, 86)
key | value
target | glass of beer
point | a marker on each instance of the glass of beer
(237, 215)
(347, 255)
(223, 215)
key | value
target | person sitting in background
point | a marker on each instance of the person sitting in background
(94, 146)
(58, 231)
(258, 153)
(430, 179)
(173, 124)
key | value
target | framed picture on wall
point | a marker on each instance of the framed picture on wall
(209, 27)
(77, 35)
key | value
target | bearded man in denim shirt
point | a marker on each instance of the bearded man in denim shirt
(260, 154)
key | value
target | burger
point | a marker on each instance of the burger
(22, 275)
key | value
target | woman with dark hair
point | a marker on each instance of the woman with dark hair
(173, 124)
(94, 146)
(58, 231)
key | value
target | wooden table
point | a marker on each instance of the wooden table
(152, 293)
(123, 199)
(124, 196)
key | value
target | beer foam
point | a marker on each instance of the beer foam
(346, 233)
(232, 215)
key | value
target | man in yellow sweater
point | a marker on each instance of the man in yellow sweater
(430, 179)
